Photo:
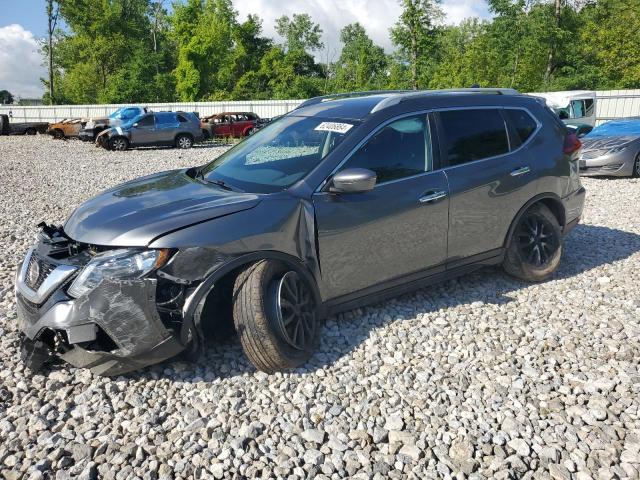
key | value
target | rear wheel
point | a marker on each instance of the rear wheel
(57, 133)
(184, 141)
(118, 143)
(536, 245)
(30, 131)
(275, 316)
(636, 167)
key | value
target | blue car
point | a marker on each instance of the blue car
(122, 115)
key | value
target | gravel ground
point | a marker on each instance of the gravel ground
(480, 377)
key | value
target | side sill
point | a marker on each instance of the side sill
(412, 282)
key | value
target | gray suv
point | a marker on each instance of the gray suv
(179, 129)
(345, 201)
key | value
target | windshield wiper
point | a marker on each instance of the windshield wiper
(224, 185)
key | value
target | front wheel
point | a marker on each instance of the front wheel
(535, 248)
(118, 144)
(184, 141)
(275, 316)
(636, 167)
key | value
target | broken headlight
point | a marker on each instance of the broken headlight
(118, 264)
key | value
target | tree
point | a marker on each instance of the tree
(299, 33)
(362, 64)
(415, 34)
(52, 22)
(6, 97)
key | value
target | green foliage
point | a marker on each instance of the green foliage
(5, 97)
(362, 64)
(299, 33)
(130, 51)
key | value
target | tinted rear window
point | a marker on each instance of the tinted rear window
(165, 118)
(521, 123)
(473, 135)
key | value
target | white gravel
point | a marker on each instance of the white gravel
(480, 377)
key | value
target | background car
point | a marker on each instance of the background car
(612, 148)
(230, 124)
(96, 125)
(179, 129)
(21, 128)
(576, 109)
(69, 127)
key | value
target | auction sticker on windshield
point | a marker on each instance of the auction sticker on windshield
(334, 127)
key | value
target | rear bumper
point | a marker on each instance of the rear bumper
(87, 135)
(573, 207)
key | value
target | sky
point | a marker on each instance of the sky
(24, 22)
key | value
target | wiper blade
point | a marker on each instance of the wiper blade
(224, 185)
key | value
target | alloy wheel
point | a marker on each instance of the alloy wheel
(295, 311)
(119, 144)
(184, 142)
(537, 241)
(637, 166)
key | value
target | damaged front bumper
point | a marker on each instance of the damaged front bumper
(113, 329)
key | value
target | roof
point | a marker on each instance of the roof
(562, 99)
(358, 105)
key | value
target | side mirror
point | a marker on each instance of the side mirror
(353, 180)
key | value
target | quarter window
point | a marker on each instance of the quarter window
(401, 149)
(473, 135)
(521, 123)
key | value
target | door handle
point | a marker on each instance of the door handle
(433, 197)
(520, 171)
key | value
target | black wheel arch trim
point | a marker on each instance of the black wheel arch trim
(191, 323)
(557, 201)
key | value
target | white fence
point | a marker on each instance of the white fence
(614, 104)
(54, 113)
(611, 104)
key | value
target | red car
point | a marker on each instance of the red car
(230, 124)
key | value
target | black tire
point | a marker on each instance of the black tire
(184, 141)
(205, 134)
(4, 124)
(57, 133)
(535, 247)
(118, 144)
(30, 131)
(259, 320)
(636, 167)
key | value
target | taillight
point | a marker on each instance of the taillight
(571, 144)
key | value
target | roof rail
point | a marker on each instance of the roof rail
(396, 99)
(338, 96)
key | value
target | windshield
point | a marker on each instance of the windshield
(124, 113)
(279, 155)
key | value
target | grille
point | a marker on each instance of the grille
(44, 269)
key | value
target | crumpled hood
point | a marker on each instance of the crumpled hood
(135, 213)
(606, 143)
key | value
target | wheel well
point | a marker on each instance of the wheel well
(556, 208)
(552, 203)
(219, 296)
(183, 134)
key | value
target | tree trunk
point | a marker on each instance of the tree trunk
(414, 61)
(552, 49)
(51, 27)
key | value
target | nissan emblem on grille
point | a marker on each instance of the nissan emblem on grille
(34, 272)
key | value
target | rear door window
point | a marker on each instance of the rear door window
(473, 134)
(522, 125)
(165, 119)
